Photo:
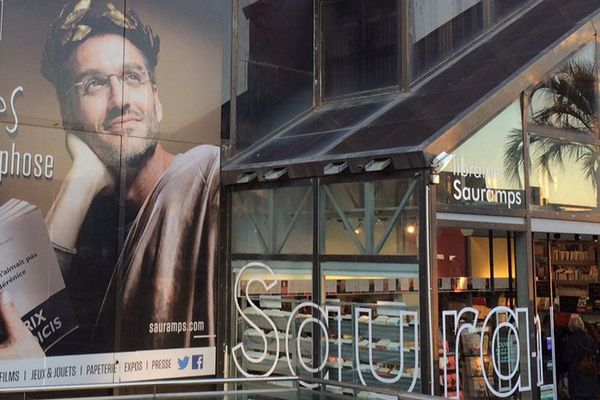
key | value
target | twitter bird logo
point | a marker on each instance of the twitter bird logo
(183, 362)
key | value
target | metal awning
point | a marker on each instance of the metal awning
(411, 128)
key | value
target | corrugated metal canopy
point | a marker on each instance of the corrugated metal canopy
(437, 115)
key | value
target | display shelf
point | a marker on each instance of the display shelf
(574, 268)
(574, 282)
(378, 355)
(351, 375)
(377, 329)
(416, 291)
(479, 290)
(574, 263)
(385, 327)
(281, 368)
(279, 318)
(255, 343)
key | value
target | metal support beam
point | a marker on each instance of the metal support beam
(295, 217)
(261, 238)
(428, 288)
(345, 221)
(525, 298)
(271, 220)
(395, 216)
(369, 217)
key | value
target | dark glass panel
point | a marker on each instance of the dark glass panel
(360, 45)
(274, 65)
(290, 147)
(504, 8)
(439, 32)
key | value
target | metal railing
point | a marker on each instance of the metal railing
(323, 383)
(258, 386)
(220, 382)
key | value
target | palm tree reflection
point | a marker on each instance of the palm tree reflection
(566, 101)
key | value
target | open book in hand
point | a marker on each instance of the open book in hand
(30, 272)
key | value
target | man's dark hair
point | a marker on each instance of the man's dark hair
(80, 20)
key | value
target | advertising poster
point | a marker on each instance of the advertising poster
(110, 118)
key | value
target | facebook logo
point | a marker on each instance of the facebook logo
(197, 361)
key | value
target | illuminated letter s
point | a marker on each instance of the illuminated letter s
(254, 360)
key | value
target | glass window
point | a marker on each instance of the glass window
(274, 65)
(480, 175)
(371, 218)
(264, 301)
(272, 221)
(360, 45)
(465, 253)
(380, 300)
(504, 8)
(564, 175)
(564, 172)
(439, 29)
(566, 282)
(378, 297)
(476, 270)
(567, 98)
(442, 28)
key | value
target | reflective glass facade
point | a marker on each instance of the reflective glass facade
(366, 250)
(486, 171)
(424, 282)
(563, 144)
(404, 199)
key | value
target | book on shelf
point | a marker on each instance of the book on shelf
(30, 272)
(573, 255)
(479, 387)
(476, 368)
(470, 343)
(450, 364)
(451, 378)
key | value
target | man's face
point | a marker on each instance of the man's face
(124, 116)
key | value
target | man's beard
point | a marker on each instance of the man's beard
(135, 161)
(115, 153)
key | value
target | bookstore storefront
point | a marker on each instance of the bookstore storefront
(453, 279)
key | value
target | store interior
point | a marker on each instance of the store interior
(476, 269)
(566, 281)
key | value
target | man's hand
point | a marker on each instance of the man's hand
(19, 342)
(87, 165)
(87, 178)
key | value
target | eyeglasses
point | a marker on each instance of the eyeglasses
(99, 85)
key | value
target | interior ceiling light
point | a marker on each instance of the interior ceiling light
(411, 227)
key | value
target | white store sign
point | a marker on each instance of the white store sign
(506, 367)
